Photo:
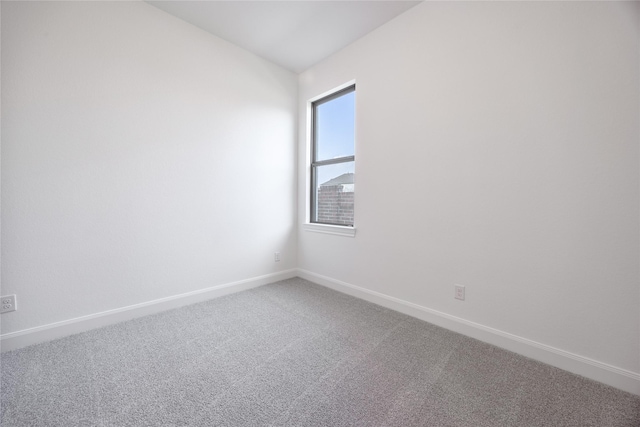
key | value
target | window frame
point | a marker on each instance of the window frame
(315, 164)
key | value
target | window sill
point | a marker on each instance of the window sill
(338, 230)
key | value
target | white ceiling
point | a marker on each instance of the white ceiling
(293, 34)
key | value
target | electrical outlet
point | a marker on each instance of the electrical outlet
(8, 303)
(276, 256)
(459, 292)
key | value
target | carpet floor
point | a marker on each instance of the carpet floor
(293, 354)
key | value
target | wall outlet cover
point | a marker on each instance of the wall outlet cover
(8, 303)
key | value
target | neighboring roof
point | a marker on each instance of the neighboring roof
(346, 178)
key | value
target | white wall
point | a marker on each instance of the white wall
(497, 148)
(142, 158)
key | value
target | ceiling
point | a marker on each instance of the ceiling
(292, 34)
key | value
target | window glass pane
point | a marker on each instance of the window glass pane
(335, 128)
(334, 193)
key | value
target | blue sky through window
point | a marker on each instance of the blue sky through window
(335, 127)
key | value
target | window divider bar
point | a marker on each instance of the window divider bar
(334, 161)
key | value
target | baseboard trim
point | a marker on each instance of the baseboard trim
(39, 334)
(580, 365)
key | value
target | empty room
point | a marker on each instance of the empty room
(320, 213)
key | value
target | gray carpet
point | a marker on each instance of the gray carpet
(293, 354)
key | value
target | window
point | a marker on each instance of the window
(333, 158)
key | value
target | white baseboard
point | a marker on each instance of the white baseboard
(589, 368)
(39, 334)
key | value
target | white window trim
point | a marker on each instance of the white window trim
(338, 230)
